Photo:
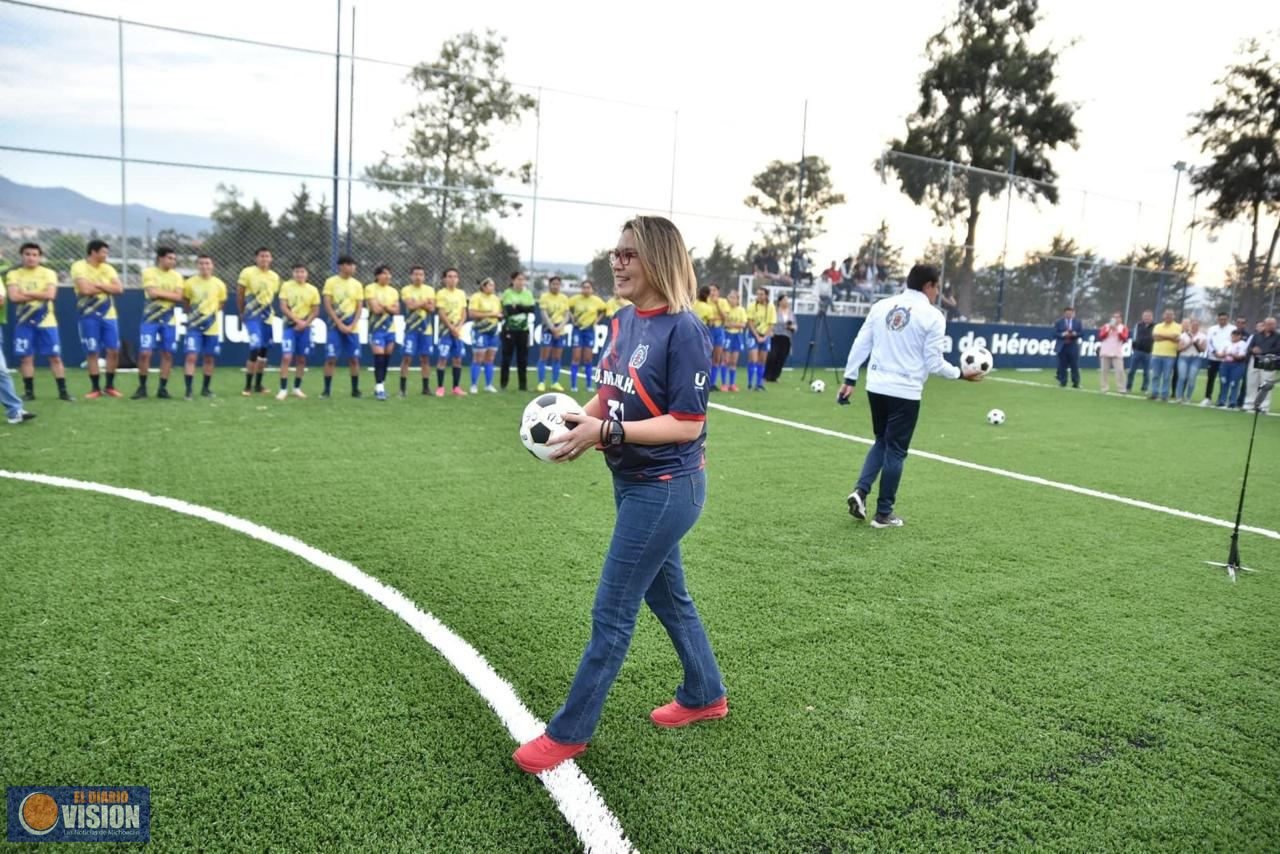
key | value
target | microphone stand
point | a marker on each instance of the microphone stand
(1233, 564)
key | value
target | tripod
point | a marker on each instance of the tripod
(820, 327)
(1233, 565)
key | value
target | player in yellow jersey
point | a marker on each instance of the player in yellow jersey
(586, 309)
(451, 307)
(761, 317)
(97, 285)
(32, 288)
(614, 304)
(205, 296)
(707, 309)
(343, 297)
(300, 305)
(418, 301)
(485, 311)
(163, 287)
(735, 321)
(383, 301)
(553, 311)
(255, 300)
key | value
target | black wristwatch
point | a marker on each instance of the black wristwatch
(616, 435)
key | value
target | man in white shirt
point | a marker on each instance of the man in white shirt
(1219, 339)
(902, 340)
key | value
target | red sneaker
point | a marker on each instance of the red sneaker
(733, 387)
(458, 391)
(93, 395)
(675, 715)
(545, 753)
(111, 392)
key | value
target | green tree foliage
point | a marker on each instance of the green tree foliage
(719, 267)
(986, 97)
(238, 229)
(302, 235)
(793, 216)
(600, 272)
(877, 248)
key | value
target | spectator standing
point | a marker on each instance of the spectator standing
(1164, 352)
(1243, 391)
(1141, 357)
(947, 302)
(13, 411)
(847, 271)
(781, 346)
(1231, 373)
(518, 307)
(1191, 347)
(1111, 354)
(1067, 331)
(1218, 339)
(1265, 343)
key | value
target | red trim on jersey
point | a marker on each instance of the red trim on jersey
(650, 312)
(664, 477)
(613, 344)
(644, 395)
(687, 416)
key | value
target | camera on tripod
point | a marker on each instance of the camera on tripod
(1267, 362)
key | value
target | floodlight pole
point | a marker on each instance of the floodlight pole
(351, 125)
(799, 218)
(1179, 168)
(337, 108)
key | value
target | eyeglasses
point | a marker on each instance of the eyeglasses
(623, 256)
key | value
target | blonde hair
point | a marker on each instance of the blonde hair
(665, 260)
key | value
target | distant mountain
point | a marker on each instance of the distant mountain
(58, 207)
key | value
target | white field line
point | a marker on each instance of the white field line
(574, 794)
(1129, 396)
(1025, 478)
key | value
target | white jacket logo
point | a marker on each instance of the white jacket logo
(638, 357)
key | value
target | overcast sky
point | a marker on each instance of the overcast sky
(737, 78)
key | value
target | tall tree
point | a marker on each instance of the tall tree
(795, 212)
(463, 99)
(1241, 131)
(238, 229)
(719, 267)
(986, 101)
(302, 234)
(878, 249)
(600, 272)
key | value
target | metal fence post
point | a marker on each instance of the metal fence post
(124, 194)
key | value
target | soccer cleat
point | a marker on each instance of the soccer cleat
(93, 395)
(545, 753)
(458, 391)
(1204, 402)
(733, 387)
(299, 393)
(379, 395)
(163, 394)
(113, 392)
(542, 387)
(557, 387)
(715, 388)
(28, 396)
(490, 389)
(440, 391)
(887, 520)
(24, 417)
(207, 393)
(265, 391)
(674, 715)
(403, 395)
(187, 397)
(474, 390)
(858, 504)
(282, 394)
(246, 393)
(357, 394)
(66, 396)
(140, 394)
(324, 395)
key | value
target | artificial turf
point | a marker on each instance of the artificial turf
(1018, 666)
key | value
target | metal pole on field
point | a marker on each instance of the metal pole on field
(946, 247)
(351, 125)
(1179, 168)
(337, 108)
(1075, 279)
(675, 130)
(1128, 297)
(1004, 252)
(1186, 275)
(799, 220)
(537, 154)
(124, 195)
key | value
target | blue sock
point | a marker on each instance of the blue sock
(733, 375)
(573, 374)
(488, 373)
(475, 372)
(542, 371)
(555, 371)
(755, 372)
(587, 367)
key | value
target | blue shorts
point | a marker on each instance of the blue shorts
(484, 340)
(203, 343)
(585, 337)
(418, 344)
(158, 336)
(449, 347)
(259, 330)
(29, 340)
(733, 341)
(341, 345)
(548, 341)
(382, 337)
(753, 344)
(717, 336)
(295, 343)
(98, 333)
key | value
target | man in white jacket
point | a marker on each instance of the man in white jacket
(902, 341)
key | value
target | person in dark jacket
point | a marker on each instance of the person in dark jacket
(1067, 334)
(1143, 340)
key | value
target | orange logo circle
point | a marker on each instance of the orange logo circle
(39, 813)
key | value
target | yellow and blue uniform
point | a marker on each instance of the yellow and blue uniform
(159, 329)
(382, 330)
(99, 329)
(37, 326)
(302, 299)
(614, 305)
(204, 322)
(418, 322)
(586, 312)
(484, 332)
(261, 287)
(346, 294)
(555, 311)
(762, 317)
(451, 304)
(735, 320)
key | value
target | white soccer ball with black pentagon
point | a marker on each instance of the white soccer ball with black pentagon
(995, 417)
(976, 362)
(817, 386)
(543, 420)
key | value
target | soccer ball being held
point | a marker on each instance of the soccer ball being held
(976, 362)
(543, 422)
(995, 417)
(817, 386)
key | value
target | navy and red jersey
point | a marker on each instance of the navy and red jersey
(655, 364)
